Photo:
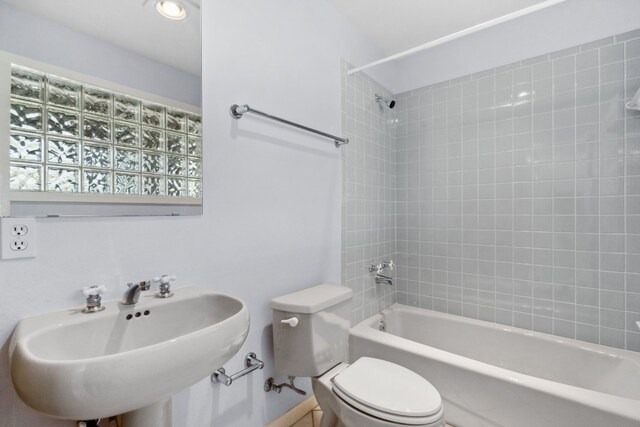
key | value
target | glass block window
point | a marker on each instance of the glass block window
(69, 137)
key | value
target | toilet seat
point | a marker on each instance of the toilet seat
(388, 391)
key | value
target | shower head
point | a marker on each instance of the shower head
(388, 102)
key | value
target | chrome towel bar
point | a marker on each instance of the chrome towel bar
(238, 110)
(251, 363)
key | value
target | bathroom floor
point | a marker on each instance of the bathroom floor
(312, 419)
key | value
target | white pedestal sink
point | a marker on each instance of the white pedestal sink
(79, 366)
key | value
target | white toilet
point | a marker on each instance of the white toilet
(311, 337)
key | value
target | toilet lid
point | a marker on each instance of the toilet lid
(387, 388)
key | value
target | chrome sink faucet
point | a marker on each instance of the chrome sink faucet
(132, 294)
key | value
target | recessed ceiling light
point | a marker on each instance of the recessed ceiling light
(171, 10)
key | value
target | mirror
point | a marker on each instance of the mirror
(115, 83)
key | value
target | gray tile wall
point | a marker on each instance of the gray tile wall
(368, 193)
(518, 193)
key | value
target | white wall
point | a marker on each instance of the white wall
(559, 27)
(271, 220)
(44, 40)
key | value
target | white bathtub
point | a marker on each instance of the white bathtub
(493, 375)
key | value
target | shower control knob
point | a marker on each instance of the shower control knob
(292, 321)
(376, 268)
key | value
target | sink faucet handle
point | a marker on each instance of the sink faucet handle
(165, 279)
(389, 264)
(164, 288)
(94, 300)
(94, 290)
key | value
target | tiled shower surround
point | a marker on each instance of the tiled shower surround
(518, 194)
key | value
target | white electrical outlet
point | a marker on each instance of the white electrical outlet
(17, 238)
(19, 229)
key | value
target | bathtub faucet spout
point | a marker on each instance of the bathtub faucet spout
(382, 279)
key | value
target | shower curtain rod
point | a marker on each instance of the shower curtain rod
(462, 33)
(238, 110)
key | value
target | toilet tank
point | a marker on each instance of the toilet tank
(320, 339)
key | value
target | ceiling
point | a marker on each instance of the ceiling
(398, 25)
(130, 24)
(393, 25)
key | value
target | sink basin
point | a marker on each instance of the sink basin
(79, 366)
